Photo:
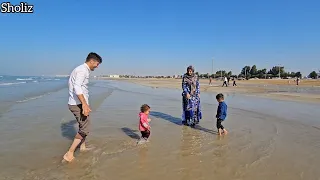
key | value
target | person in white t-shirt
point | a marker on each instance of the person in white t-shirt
(79, 101)
(225, 81)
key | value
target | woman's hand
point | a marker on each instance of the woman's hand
(188, 96)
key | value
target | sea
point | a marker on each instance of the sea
(21, 89)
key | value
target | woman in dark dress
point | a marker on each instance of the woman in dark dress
(191, 98)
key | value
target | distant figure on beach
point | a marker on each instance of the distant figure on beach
(228, 80)
(144, 126)
(191, 98)
(210, 81)
(234, 81)
(225, 81)
(221, 114)
(298, 80)
(79, 102)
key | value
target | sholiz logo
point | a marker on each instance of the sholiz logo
(23, 7)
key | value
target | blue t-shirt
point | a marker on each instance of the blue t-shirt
(222, 111)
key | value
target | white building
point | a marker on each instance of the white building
(114, 76)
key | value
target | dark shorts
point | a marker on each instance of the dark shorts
(219, 125)
(145, 134)
(83, 121)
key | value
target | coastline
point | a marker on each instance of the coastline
(308, 90)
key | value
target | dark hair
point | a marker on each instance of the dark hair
(144, 108)
(190, 67)
(94, 56)
(220, 96)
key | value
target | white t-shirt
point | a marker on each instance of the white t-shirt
(78, 84)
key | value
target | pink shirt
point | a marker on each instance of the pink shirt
(143, 119)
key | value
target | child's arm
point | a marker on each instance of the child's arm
(222, 112)
(146, 125)
(219, 110)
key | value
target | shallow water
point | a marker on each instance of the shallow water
(268, 139)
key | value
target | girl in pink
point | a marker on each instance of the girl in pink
(144, 126)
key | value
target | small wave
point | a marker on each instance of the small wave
(56, 79)
(9, 84)
(35, 81)
(26, 79)
(30, 98)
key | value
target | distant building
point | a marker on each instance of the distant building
(114, 76)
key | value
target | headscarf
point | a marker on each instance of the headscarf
(191, 80)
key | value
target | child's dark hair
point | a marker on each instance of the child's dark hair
(144, 108)
(220, 96)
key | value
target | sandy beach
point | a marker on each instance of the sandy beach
(267, 139)
(307, 91)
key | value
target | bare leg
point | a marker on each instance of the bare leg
(84, 148)
(69, 156)
(225, 132)
(219, 132)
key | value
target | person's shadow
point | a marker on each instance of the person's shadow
(178, 121)
(167, 117)
(68, 130)
(131, 133)
(198, 127)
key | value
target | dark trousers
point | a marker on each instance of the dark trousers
(219, 125)
(145, 134)
(225, 83)
(234, 83)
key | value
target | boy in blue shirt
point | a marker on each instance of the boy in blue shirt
(221, 114)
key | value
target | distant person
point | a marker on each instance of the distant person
(234, 81)
(79, 102)
(298, 80)
(225, 82)
(221, 114)
(144, 126)
(191, 98)
(228, 80)
(210, 81)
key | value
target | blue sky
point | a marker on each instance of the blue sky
(161, 37)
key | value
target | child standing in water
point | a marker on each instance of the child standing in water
(221, 114)
(144, 126)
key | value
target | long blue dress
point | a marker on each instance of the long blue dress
(191, 107)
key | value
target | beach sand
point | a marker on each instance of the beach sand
(307, 91)
(267, 139)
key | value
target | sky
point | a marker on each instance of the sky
(143, 37)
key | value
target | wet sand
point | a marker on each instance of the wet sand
(268, 139)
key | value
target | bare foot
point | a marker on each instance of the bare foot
(86, 149)
(225, 132)
(68, 157)
(219, 132)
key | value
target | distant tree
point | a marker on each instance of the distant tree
(275, 71)
(229, 73)
(197, 73)
(245, 70)
(298, 74)
(254, 70)
(219, 73)
(248, 76)
(313, 75)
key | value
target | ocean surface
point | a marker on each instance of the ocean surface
(269, 139)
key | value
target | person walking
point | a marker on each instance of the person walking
(79, 102)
